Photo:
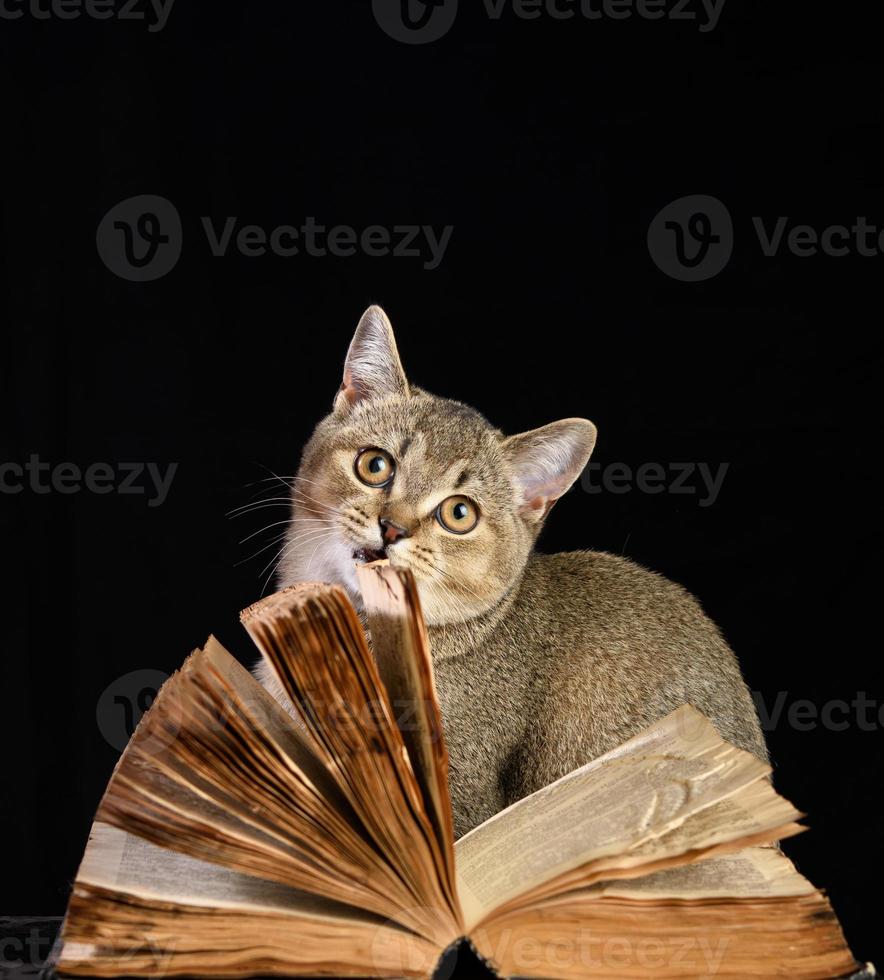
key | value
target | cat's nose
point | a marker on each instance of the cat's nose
(392, 532)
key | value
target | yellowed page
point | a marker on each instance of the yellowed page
(745, 915)
(402, 650)
(757, 872)
(217, 771)
(315, 645)
(755, 814)
(626, 800)
(140, 910)
(122, 862)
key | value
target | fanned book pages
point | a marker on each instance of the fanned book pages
(236, 840)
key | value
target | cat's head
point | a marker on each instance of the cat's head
(427, 483)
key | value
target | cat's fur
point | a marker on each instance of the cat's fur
(542, 662)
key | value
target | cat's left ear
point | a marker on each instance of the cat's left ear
(545, 462)
(372, 368)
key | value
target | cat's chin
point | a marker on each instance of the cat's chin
(337, 561)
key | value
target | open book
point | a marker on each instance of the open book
(234, 840)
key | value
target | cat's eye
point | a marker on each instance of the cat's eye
(375, 467)
(458, 515)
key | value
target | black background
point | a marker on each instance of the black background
(549, 147)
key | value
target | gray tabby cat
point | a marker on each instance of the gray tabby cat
(542, 662)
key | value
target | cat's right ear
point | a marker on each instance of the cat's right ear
(545, 462)
(372, 368)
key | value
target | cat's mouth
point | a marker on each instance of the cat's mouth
(365, 556)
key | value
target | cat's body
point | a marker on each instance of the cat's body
(588, 650)
(542, 662)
